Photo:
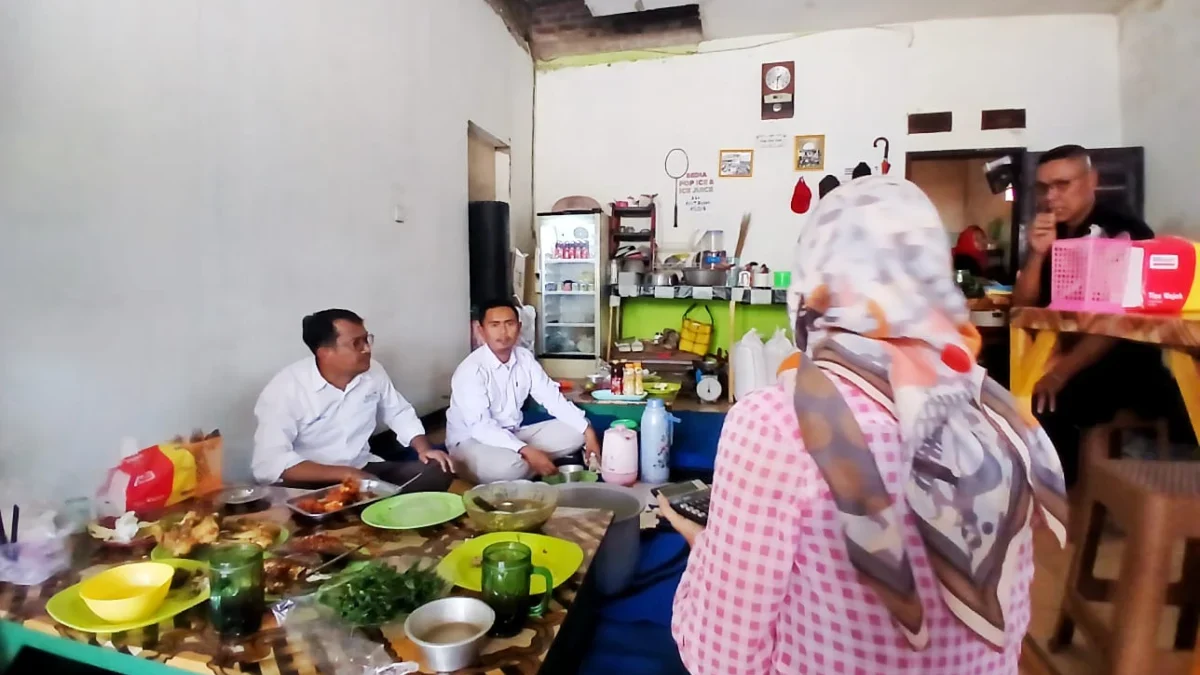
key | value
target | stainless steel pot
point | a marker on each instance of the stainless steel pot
(694, 276)
(664, 279)
(617, 558)
(448, 653)
(629, 279)
(633, 265)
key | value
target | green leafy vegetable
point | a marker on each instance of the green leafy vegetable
(374, 593)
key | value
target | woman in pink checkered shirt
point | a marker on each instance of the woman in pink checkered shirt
(871, 512)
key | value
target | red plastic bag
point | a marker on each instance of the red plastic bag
(162, 475)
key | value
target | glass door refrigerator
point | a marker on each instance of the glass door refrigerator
(569, 274)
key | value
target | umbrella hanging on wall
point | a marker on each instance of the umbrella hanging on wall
(887, 146)
(676, 165)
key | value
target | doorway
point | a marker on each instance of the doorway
(489, 239)
(489, 164)
(956, 182)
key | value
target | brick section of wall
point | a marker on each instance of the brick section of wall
(567, 28)
(518, 16)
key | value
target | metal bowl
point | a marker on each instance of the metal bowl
(664, 279)
(440, 629)
(694, 276)
(541, 500)
(242, 494)
(572, 473)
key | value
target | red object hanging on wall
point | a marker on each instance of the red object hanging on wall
(801, 197)
(885, 166)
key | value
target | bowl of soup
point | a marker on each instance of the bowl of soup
(510, 506)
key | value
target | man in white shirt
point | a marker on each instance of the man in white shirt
(318, 416)
(483, 424)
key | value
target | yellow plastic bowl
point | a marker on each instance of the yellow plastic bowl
(129, 592)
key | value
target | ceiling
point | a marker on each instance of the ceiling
(738, 18)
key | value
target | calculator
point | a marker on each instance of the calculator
(689, 499)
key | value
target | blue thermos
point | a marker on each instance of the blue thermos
(656, 442)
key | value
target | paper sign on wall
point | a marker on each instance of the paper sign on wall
(697, 189)
(768, 141)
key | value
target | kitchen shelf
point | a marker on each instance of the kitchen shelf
(616, 238)
(570, 325)
(568, 292)
(724, 293)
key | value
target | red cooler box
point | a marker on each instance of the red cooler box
(1169, 284)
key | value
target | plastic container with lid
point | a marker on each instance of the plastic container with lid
(619, 463)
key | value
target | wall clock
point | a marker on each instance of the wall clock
(778, 90)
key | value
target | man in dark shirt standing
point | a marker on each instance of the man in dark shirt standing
(1094, 376)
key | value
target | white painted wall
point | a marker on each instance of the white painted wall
(1160, 103)
(603, 130)
(181, 182)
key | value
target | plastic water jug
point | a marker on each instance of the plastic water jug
(619, 465)
(656, 442)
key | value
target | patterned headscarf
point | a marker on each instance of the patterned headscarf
(874, 301)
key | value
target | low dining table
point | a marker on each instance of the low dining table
(1034, 337)
(187, 641)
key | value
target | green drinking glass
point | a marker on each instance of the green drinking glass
(507, 571)
(236, 603)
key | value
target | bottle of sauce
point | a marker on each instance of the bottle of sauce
(615, 382)
(628, 380)
(639, 387)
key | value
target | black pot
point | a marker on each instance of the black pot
(617, 558)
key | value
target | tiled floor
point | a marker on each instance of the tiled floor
(1052, 565)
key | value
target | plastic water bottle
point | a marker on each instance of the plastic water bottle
(656, 442)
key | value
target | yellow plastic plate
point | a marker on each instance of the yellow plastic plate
(462, 566)
(68, 608)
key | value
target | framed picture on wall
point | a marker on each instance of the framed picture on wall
(810, 153)
(736, 164)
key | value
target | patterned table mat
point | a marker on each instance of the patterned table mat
(187, 642)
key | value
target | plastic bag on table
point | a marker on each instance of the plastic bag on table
(45, 541)
(161, 475)
(346, 651)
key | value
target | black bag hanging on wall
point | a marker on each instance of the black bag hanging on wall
(488, 243)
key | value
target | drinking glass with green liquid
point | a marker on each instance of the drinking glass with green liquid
(236, 603)
(507, 571)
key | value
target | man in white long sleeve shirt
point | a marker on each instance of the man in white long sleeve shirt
(483, 424)
(317, 418)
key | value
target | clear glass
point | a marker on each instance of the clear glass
(236, 604)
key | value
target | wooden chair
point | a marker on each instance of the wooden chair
(1156, 503)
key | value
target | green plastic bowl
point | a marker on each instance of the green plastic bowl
(577, 477)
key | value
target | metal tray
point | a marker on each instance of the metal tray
(381, 490)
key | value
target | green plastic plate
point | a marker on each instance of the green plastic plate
(414, 511)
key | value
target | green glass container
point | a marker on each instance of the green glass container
(236, 603)
(507, 570)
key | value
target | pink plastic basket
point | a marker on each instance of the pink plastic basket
(1088, 275)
